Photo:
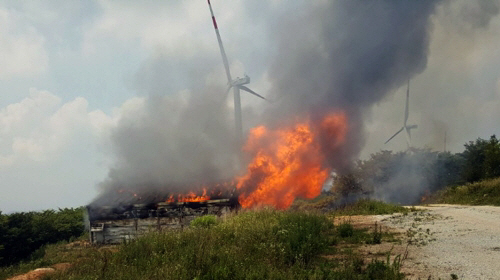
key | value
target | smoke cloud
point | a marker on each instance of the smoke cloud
(348, 55)
(170, 144)
(333, 56)
(478, 14)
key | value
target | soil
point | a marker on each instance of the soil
(449, 241)
(38, 273)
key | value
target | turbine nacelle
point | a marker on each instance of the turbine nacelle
(407, 128)
(411, 126)
(240, 81)
(237, 84)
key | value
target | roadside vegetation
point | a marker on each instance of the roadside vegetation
(485, 192)
(260, 244)
(370, 207)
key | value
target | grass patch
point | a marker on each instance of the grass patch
(486, 192)
(204, 221)
(262, 244)
(257, 245)
(370, 207)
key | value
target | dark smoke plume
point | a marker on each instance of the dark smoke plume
(335, 55)
(348, 55)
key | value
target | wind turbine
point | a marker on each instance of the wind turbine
(236, 84)
(405, 127)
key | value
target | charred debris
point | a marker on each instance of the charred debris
(135, 215)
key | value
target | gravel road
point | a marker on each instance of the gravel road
(450, 239)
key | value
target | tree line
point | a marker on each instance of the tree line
(405, 177)
(22, 234)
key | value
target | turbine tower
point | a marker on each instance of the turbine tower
(405, 127)
(236, 84)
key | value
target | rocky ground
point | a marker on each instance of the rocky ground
(449, 241)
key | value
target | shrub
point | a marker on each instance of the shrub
(376, 235)
(204, 221)
(370, 207)
(300, 235)
(345, 230)
(485, 192)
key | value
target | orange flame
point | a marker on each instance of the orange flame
(190, 197)
(288, 163)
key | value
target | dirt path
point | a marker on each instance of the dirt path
(450, 239)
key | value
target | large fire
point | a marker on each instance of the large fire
(288, 162)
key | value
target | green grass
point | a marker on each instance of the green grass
(205, 221)
(263, 244)
(486, 192)
(370, 207)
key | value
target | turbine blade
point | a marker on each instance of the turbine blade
(221, 47)
(251, 91)
(407, 103)
(394, 135)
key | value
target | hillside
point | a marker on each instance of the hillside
(260, 244)
(485, 192)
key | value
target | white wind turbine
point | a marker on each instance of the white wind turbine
(236, 84)
(405, 127)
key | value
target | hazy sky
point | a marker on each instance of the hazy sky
(70, 71)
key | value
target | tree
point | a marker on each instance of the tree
(449, 168)
(346, 184)
(404, 177)
(482, 159)
(492, 158)
(23, 233)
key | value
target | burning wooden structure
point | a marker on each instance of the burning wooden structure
(114, 225)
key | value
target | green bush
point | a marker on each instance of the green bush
(22, 234)
(204, 221)
(376, 236)
(370, 207)
(381, 270)
(345, 230)
(301, 236)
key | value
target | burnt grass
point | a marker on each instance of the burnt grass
(259, 244)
